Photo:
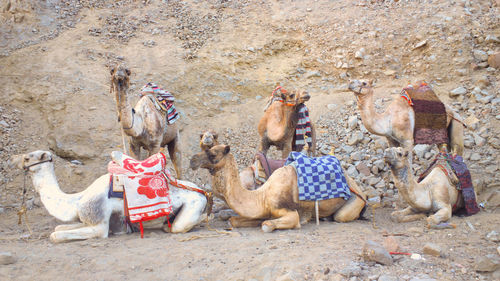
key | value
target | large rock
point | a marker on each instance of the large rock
(372, 251)
(421, 149)
(480, 55)
(6, 258)
(494, 60)
(391, 244)
(493, 236)
(460, 91)
(432, 249)
(488, 263)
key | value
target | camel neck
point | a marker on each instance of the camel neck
(243, 201)
(374, 122)
(406, 183)
(58, 204)
(124, 109)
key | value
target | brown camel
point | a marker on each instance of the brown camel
(144, 125)
(277, 125)
(397, 122)
(435, 193)
(275, 205)
(208, 139)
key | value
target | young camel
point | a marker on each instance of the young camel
(144, 125)
(277, 125)
(275, 205)
(92, 209)
(397, 122)
(434, 193)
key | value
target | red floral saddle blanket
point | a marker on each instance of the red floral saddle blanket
(145, 186)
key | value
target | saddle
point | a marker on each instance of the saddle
(269, 165)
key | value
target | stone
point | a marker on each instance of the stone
(353, 122)
(478, 140)
(372, 251)
(363, 169)
(290, 276)
(480, 55)
(357, 156)
(4, 124)
(381, 143)
(486, 99)
(432, 249)
(493, 236)
(420, 44)
(475, 156)
(494, 60)
(7, 258)
(391, 244)
(386, 277)
(421, 149)
(460, 91)
(351, 270)
(488, 263)
(491, 39)
(355, 138)
(352, 172)
(471, 121)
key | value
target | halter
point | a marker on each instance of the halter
(281, 100)
(26, 168)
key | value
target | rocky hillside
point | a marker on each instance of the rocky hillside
(221, 58)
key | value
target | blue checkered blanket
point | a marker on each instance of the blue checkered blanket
(319, 178)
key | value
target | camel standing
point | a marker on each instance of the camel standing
(92, 208)
(277, 125)
(397, 122)
(275, 205)
(434, 193)
(144, 125)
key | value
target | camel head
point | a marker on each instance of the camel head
(208, 139)
(120, 77)
(212, 159)
(302, 96)
(396, 157)
(360, 87)
(32, 161)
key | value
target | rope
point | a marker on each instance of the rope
(22, 210)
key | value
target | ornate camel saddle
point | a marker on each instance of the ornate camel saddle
(455, 166)
(163, 100)
(430, 114)
(319, 178)
(144, 185)
(269, 165)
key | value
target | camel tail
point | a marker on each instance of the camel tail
(456, 135)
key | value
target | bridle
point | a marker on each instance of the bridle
(26, 168)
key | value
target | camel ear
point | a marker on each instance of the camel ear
(45, 156)
(112, 71)
(201, 136)
(215, 136)
(127, 71)
(226, 149)
(406, 153)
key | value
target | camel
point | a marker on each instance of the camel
(277, 125)
(397, 122)
(275, 205)
(208, 139)
(91, 208)
(144, 125)
(434, 193)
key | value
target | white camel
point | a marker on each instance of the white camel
(91, 209)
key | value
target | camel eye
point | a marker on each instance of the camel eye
(364, 83)
(292, 96)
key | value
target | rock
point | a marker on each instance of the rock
(353, 122)
(357, 156)
(493, 236)
(471, 121)
(375, 252)
(391, 244)
(352, 172)
(385, 277)
(422, 277)
(478, 140)
(480, 55)
(352, 270)
(360, 53)
(460, 91)
(381, 143)
(7, 258)
(494, 60)
(491, 39)
(421, 149)
(487, 99)
(475, 156)
(432, 249)
(416, 257)
(355, 138)
(420, 44)
(363, 169)
(290, 276)
(488, 263)
(4, 124)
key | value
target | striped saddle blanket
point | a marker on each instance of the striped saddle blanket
(162, 99)
(319, 178)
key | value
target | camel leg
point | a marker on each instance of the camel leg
(63, 227)
(442, 215)
(287, 148)
(287, 219)
(135, 151)
(407, 215)
(189, 216)
(456, 136)
(264, 145)
(244, 222)
(83, 233)
(175, 156)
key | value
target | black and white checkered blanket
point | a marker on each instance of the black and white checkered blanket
(319, 178)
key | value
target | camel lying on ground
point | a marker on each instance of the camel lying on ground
(277, 125)
(144, 125)
(397, 122)
(92, 208)
(434, 193)
(275, 205)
